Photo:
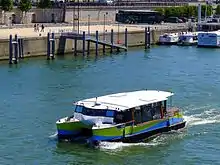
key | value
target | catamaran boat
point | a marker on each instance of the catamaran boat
(169, 39)
(126, 117)
(188, 39)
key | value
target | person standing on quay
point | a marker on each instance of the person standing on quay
(42, 28)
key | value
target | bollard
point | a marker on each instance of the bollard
(53, 46)
(126, 38)
(10, 49)
(97, 42)
(112, 39)
(16, 49)
(48, 46)
(84, 43)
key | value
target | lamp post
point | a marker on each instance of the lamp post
(118, 23)
(105, 15)
(89, 24)
(104, 29)
(78, 17)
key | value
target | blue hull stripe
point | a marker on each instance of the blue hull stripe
(102, 138)
(174, 121)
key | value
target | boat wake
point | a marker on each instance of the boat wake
(53, 136)
(209, 116)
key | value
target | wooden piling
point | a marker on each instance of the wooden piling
(75, 47)
(145, 38)
(88, 47)
(126, 38)
(16, 49)
(48, 46)
(148, 33)
(84, 43)
(97, 42)
(19, 48)
(22, 48)
(53, 46)
(112, 40)
(10, 49)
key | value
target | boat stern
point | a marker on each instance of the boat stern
(176, 119)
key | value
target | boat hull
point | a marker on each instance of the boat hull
(187, 43)
(167, 43)
(137, 133)
(71, 129)
(148, 134)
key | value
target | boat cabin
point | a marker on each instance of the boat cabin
(138, 106)
(143, 113)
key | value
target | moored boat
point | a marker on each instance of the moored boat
(168, 39)
(188, 39)
(126, 117)
(209, 39)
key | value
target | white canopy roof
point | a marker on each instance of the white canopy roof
(126, 100)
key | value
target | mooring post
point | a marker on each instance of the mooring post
(75, 47)
(103, 48)
(48, 46)
(97, 42)
(16, 49)
(104, 41)
(84, 43)
(53, 46)
(19, 48)
(126, 38)
(10, 49)
(145, 38)
(148, 33)
(112, 39)
(88, 47)
(22, 48)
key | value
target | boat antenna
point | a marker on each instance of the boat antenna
(95, 100)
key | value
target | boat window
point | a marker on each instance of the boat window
(119, 117)
(123, 116)
(137, 116)
(146, 113)
(156, 111)
(79, 109)
(110, 113)
(94, 112)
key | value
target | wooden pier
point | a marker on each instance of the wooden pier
(93, 39)
(16, 44)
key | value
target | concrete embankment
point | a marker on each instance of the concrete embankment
(35, 45)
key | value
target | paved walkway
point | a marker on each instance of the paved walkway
(29, 32)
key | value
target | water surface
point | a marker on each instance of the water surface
(35, 93)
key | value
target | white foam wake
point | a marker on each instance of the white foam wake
(119, 145)
(206, 117)
(53, 135)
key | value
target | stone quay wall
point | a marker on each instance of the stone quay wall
(37, 46)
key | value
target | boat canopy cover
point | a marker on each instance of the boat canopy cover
(125, 100)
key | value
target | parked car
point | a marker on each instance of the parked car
(184, 19)
(173, 20)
